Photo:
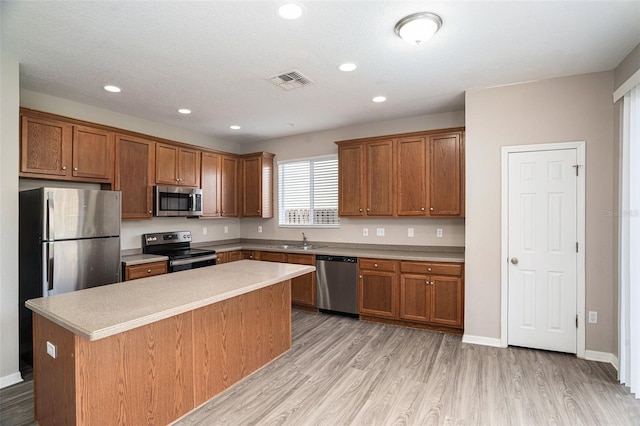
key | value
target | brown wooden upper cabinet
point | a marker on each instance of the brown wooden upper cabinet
(56, 149)
(229, 186)
(257, 185)
(135, 174)
(412, 174)
(210, 172)
(177, 165)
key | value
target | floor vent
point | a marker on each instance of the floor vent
(290, 80)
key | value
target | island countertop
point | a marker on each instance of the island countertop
(99, 312)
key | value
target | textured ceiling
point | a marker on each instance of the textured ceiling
(213, 56)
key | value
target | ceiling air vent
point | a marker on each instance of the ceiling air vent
(290, 80)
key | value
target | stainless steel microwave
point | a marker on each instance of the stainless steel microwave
(177, 201)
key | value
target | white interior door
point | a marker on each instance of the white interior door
(542, 247)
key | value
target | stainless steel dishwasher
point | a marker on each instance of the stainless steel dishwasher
(337, 284)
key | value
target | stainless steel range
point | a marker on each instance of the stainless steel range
(177, 246)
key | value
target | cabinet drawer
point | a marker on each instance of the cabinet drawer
(145, 270)
(268, 256)
(378, 264)
(432, 268)
(301, 259)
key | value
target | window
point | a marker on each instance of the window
(308, 192)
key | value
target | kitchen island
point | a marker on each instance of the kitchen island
(149, 351)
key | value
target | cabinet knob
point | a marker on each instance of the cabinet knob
(368, 209)
(360, 276)
(148, 271)
(431, 208)
(75, 169)
(258, 211)
(429, 269)
(224, 211)
(360, 209)
(375, 265)
(431, 283)
(64, 167)
(150, 212)
(422, 208)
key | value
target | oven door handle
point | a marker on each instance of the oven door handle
(191, 260)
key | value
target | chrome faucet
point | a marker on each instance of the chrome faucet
(304, 240)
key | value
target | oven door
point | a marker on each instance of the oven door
(177, 201)
(192, 263)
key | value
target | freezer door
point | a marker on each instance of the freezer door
(78, 264)
(77, 213)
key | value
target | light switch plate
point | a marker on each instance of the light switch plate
(410, 233)
(380, 232)
(259, 228)
(226, 229)
(365, 232)
(204, 230)
(593, 317)
(51, 349)
(439, 232)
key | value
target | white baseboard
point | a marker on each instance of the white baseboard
(602, 357)
(481, 340)
(9, 380)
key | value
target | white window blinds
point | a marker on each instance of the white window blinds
(308, 192)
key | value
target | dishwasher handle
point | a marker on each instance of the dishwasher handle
(330, 258)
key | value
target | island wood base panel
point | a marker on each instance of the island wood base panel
(156, 373)
(422, 326)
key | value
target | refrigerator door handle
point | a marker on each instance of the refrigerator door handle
(49, 264)
(50, 216)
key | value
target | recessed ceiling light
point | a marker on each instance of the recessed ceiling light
(235, 127)
(348, 67)
(290, 11)
(184, 111)
(112, 89)
(379, 99)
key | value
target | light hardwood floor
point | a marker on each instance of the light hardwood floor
(342, 372)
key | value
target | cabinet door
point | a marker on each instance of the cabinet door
(303, 288)
(249, 254)
(223, 257)
(268, 256)
(229, 186)
(445, 175)
(45, 147)
(379, 178)
(251, 186)
(135, 164)
(234, 256)
(415, 297)
(167, 164)
(188, 167)
(93, 153)
(210, 184)
(377, 293)
(350, 180)
(411, 167)
(446, 301)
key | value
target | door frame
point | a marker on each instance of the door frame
(580, 147)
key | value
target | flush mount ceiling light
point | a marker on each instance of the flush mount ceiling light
(290, 11)
(379, 99)
(234, 127)
(418, 27)
(184, 111)
(348, 67)
(112, 89)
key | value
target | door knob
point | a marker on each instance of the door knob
(514, 260)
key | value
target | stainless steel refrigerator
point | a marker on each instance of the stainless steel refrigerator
(69, 240)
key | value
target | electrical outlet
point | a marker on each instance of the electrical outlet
(410, 233)
(593, 317)
(380, 232)
(259, 229)
(439, 232)
(226, 229)
(365, 232)
(204, 230)
(51, 349)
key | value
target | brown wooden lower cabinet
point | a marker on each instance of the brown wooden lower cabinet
(228, 256)
(303, 288)
(145, 270)
(156, 373)
(425, 294)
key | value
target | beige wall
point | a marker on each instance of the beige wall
(576, 108)
(9, 101)
(350, 231)
(628, 67)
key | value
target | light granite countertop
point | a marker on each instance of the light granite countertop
(427, 255)
(99, 312)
